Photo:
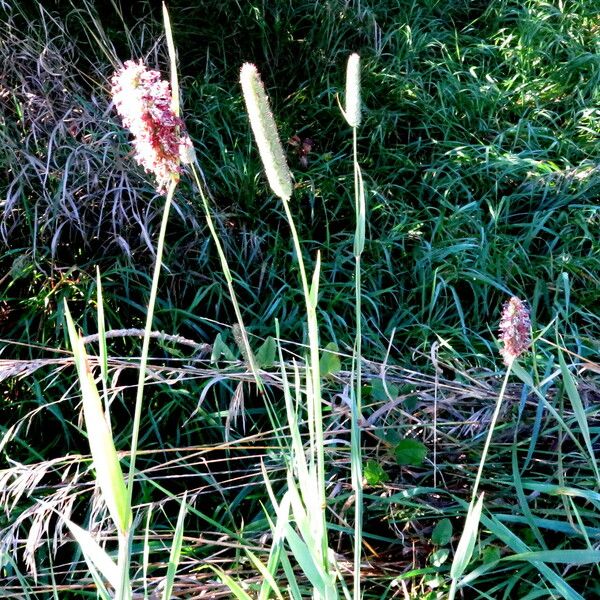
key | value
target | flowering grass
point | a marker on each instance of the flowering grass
(478, 148)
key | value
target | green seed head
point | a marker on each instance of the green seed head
(352, 112)
(265, 132)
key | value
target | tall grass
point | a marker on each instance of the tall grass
(478, 148)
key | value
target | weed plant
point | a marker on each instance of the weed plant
(478, 146)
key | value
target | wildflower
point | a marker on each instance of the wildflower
(143, 101)
(515, 326)
(265, 132)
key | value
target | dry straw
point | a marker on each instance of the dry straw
(352, 112)
(265, 132)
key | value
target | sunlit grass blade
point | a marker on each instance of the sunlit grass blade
(237, 590)
(106, 462)
(561, 557)
(466, 544)
(172, 60)
(95, 555)
(267, 575)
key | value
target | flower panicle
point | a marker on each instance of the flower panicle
(515, 328)
(144, 103)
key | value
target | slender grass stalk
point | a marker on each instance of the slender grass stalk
(146, 341)
(356, 450)
(352, 114)
(229, 278)
(102, 345)
(488, 439)
(314, 395)
(279, 177)
(515, 327)
(474, 512)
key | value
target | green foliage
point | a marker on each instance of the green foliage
(442, 532)
(330, 362)
(409, 452)
(374, 473)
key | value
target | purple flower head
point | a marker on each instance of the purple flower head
(143, 101)
(515, 328)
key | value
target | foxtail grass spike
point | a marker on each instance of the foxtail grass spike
(515, 326)
(353, 105)
(265, 132)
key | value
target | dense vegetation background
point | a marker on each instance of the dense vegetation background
(480, 149)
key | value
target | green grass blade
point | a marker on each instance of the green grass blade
(102, 342)
(175, 551)
(106, 462)
(466, 545)
(517, 545)
(562, 557)
(94, 555)
(579, 412)
(304, 556)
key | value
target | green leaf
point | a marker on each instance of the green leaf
(374, 473)
(439, 557)
(410, 403)
(330, 361)
(466, 545)
(490, 554)
(265, 357)
(221, 349)
(410, 452)
(383, 393)
(442, 533)
(388, 435)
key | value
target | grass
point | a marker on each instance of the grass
(478, 147)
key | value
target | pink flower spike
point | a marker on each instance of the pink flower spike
(143, 101)
(515, 326)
